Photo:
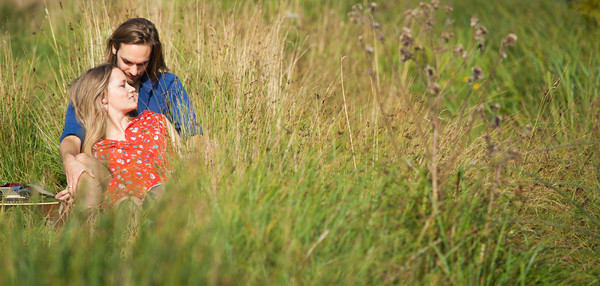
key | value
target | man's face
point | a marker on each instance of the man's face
(133, 60)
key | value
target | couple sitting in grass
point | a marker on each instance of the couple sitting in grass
(124, 121)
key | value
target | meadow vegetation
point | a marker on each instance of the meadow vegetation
(396, 143)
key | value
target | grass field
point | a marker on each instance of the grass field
(355, 144)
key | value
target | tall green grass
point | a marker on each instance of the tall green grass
(322, 173)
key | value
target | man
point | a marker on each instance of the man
(135, 48)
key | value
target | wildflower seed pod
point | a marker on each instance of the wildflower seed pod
(458, 51)
(480, 108)
(416, 13)
(477, 73)
(354, 17)
(357, 7)
(496, 120)
(429, 71)
(406, 55)
(494, 106)
(430, 23)
(474, 22)
(372, 6)
(434, 89)
(480, 46)
(369, 49)
(446, 36)
(435, 4)
(510, 40)
(479, 33)
(425, 6)
(448, 9)
(406, 36)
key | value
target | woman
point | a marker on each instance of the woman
(134, 148)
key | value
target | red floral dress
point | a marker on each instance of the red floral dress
(139, 162)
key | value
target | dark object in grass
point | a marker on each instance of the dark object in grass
(30, 195)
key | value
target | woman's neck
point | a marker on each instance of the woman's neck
(116, 125)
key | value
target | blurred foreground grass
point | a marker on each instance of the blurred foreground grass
(318, 180)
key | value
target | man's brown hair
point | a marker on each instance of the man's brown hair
(138, 31)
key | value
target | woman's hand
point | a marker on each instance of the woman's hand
(64, 195)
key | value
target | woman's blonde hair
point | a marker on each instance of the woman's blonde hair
(86, 94)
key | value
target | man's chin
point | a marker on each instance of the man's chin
(133, 82)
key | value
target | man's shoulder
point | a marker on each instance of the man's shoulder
(162, 78)
(164, 82)
(167, 76)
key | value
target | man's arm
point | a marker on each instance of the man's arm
(181, 110)
(69, 149)
(184, 121)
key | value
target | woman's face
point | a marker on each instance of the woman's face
(121, 97)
